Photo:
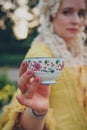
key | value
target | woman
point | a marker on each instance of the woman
(62, 106)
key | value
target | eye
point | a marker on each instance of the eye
(82, 13)
(67, 12)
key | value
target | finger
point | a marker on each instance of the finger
(23, 67)
(42, 105)
(24, 80)
(32, 88)
(44, 90)
(24, 101)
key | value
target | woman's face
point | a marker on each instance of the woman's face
(70, 18)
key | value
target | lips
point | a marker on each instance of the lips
(73, 29)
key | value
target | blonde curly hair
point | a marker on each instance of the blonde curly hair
(49, 7)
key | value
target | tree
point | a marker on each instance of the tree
(19, 17)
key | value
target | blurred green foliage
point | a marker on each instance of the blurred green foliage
(7, 89)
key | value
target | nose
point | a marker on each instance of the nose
(76, 19)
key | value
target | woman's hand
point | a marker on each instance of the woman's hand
(34, 94)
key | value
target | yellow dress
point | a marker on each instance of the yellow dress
(68, 99)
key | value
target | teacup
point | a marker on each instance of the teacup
(46, 67)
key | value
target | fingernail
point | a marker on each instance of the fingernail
(29, 72)
(18, 97)
(37, 79)
(24, 64)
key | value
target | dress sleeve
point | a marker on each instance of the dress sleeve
(10, 113)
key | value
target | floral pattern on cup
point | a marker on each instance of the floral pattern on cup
(46, 65)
